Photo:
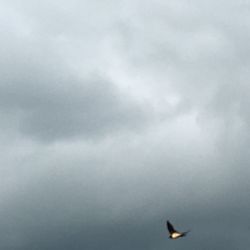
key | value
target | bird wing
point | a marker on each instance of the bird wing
(170, 227)
(185, 233)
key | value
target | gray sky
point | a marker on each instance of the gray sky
(118, 115)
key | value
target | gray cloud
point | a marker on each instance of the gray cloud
(54, 103)
(144, 111)
(55, 108)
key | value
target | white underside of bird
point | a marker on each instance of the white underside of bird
(175, 235)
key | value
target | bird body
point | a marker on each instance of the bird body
(174, 234)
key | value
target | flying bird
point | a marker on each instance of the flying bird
(173, 234)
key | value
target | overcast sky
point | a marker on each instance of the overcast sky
(118, 115)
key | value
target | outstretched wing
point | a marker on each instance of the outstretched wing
(185, 233)
(170, 227)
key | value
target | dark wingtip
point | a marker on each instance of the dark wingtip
(168, 223)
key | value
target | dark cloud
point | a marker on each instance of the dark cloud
(50, 108)
(106, 201)
(51, 102)
(144, 111)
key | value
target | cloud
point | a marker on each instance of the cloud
(54, 108)
(118, 116)
(52, 102)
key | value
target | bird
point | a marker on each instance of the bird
(173, 234)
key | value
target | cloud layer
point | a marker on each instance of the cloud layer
(116, 116)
